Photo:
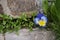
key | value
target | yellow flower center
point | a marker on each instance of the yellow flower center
(42, 22)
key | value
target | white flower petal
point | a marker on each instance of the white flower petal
(36, 20)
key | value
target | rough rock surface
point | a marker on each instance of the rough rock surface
(25, 34)
(15, 7)
(1, 37)
(6, 9)
(1, 9)
(21, 5)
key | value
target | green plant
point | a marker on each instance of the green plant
(54, 18)
(45, 5)
(10, 24)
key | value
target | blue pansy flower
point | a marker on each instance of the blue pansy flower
(40, 20)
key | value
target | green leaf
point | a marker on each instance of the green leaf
(45, 5)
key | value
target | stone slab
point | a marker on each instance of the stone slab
(25, 34)
(1, 37)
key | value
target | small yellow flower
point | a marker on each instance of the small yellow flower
(42, 22)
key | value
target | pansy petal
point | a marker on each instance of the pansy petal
(42, 23)
(36, 20)
(44, 18)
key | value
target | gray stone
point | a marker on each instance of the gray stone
(1, 37)
(1, 9)
(15, 7)
(5, 7)
(25, 34)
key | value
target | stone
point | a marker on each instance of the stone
(25, 34)
(18, 6)
(15, 8)
(6, 9)
(1, 9)
(1, 37)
